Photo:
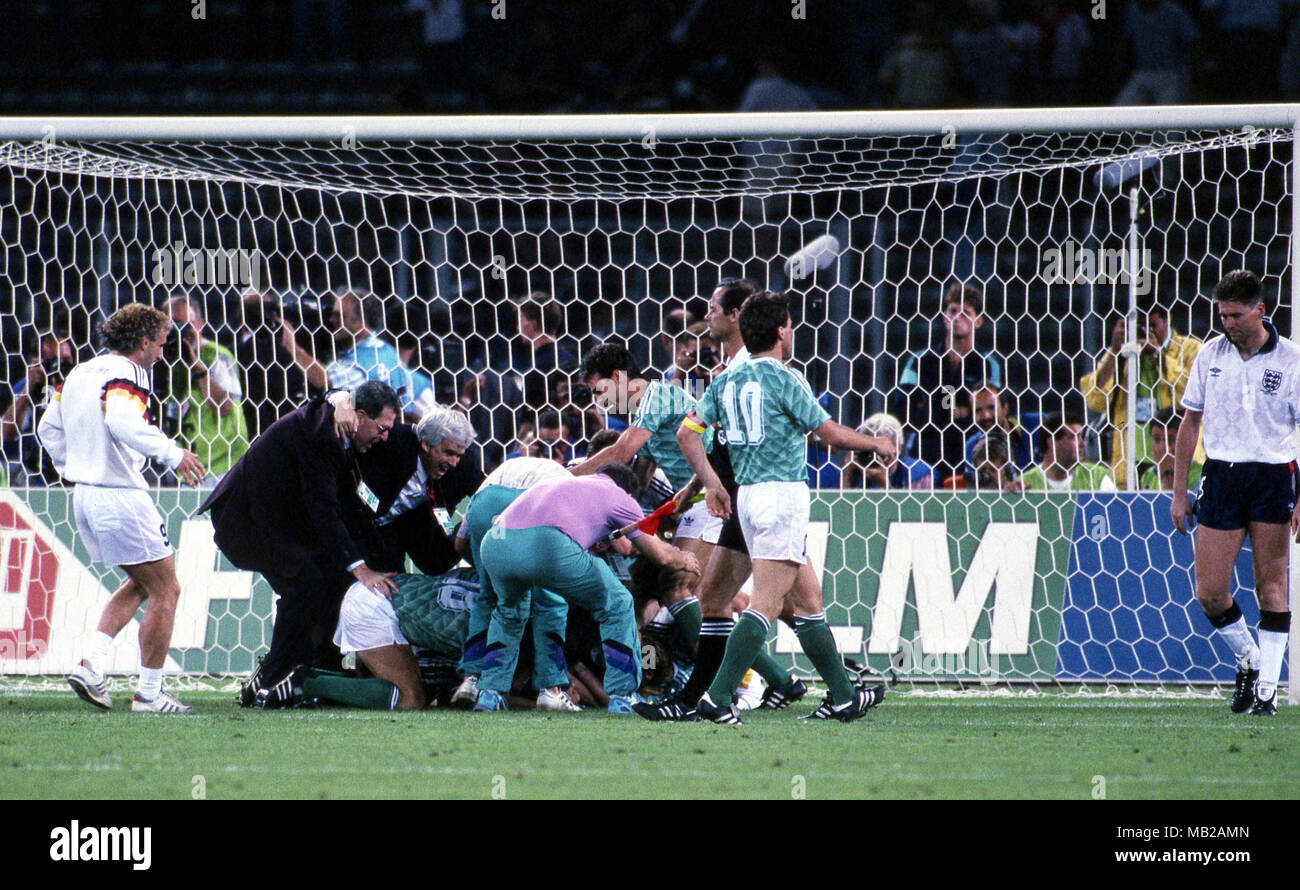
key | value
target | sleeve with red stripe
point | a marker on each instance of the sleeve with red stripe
(122, 387)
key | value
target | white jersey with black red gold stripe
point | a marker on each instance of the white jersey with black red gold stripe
(97, 430)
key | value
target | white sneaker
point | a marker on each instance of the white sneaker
(165, 703)
(91, 687)
(556, 701)
(466, 694)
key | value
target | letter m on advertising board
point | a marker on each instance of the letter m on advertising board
(916, 554)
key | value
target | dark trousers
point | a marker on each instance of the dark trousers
(305, 620)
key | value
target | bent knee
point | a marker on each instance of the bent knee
(163, 591)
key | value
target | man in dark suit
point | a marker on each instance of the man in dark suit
(419, 474)
(288, 509)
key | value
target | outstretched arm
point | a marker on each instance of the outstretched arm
(837, 435)
(666, 555)
(628, 444)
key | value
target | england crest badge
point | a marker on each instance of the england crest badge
(1272, 380)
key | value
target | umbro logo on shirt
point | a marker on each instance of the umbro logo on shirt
(1215, 372)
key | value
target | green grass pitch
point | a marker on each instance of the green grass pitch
(1051, 746)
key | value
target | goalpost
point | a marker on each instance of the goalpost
(1060, 217)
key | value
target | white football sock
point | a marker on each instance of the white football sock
(150, 683)
(1272, 646)
(1237, 636)
(97, 653)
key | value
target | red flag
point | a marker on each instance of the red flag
(650, 525)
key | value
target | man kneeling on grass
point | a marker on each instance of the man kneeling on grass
(428, 611)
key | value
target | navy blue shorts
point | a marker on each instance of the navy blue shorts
(1235, 493)
(731, 536)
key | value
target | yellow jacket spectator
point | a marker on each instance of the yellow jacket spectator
(1162, 376)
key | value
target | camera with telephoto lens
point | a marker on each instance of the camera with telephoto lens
(165, 410)
(56, 369)
(306, 315)
(706, 357)
(173, 349)
(301, 311)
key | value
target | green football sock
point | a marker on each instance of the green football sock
(771, 672)
(355, 692)
(818, 644)
(686, 615)
(744, 643)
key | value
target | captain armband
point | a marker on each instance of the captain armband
(693, 424)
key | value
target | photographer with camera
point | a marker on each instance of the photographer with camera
(581, 416)
(695, 360)
(361, 355)
(204, 380)
(53, 356)
(872, 470)
(276, 368)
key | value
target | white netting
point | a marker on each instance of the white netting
(660, 169)
(451, 235)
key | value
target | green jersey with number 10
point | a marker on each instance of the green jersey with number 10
(766, 410)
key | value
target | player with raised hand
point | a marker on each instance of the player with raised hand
(766, 409)
(97, 432)
(1243, 402)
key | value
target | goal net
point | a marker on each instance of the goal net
(1059, 221)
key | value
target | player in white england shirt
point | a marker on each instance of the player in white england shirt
(1243, 401)
(97, 433)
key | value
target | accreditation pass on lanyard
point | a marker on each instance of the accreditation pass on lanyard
(444, 519)
(368, 497)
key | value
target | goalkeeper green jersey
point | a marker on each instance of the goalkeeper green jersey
(433, 610)
(766, 410)
(660, 411)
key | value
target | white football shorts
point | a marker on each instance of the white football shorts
(693, 522)
(774, 520)
(366, 621)
(712, 529)
(119, 526)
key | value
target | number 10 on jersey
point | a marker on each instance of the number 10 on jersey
(747, 409)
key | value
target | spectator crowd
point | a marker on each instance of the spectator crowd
(657, 55)
(956, 423)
